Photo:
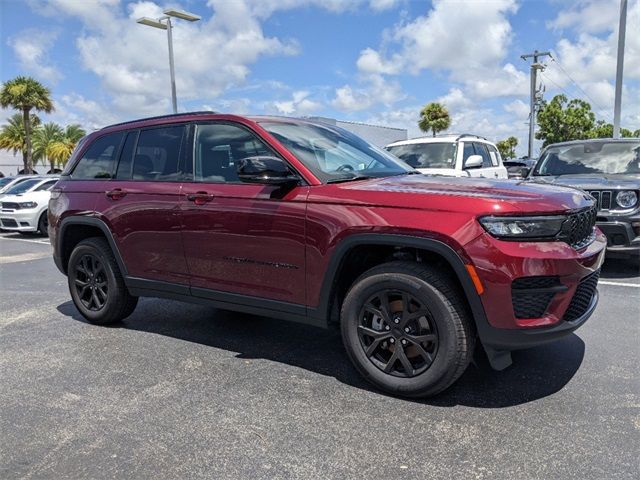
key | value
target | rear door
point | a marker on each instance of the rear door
(141, 204)
(241, 238)
(498, 170)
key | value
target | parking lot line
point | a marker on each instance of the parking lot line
(619, 284)
(41, 242)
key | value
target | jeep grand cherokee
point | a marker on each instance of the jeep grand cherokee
(307, 222)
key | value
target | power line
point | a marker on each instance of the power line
(578, 86)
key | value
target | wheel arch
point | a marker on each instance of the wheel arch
(398, 243)
(73, 230)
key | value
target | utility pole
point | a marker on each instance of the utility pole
(535, 66)
(618, 101)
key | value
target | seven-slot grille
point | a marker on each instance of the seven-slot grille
(580, 232)
(604, 199)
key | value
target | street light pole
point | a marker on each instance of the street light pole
(620, 66)
(164, 23)
(174, 99)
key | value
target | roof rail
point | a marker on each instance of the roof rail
(169, 115)
(461, 135)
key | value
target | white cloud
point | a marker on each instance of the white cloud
(518, 108)
(31, 48)
(299, 104)
(375, 89)
(590, 16)
(447, 38)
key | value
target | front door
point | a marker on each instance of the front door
(241, 238)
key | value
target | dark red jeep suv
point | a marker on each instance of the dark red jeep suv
(307, 222)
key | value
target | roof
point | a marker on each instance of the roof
(595, 140)
(160, 117)
(450, 137)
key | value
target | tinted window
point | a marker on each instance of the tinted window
(126, 157)
(426, 155)
(333, 153)
(99, 159)
(468, 151)
(481, 150)
(590, 157)
(217, 149)
(45, 186)
(158, 154)
(23, 186)
(495, 155)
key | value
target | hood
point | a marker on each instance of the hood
(27, 197)
(446, 172)
(481, 195)
(593, 181)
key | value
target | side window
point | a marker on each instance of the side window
(157, 154)
(218, 147)
(467, 152)
(99, 159)
(126, 157)
(46, 186)
(495, 155)
(481, 150)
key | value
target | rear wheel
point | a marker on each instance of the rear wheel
(406, 328)
(96, 284)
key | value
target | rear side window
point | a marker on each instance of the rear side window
(157, 154)
(99, 159)
(495, 155)
(45, 186)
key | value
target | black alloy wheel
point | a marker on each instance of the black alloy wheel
(91, 282)
(397, 333)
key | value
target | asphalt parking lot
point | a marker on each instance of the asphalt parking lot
(185, 391)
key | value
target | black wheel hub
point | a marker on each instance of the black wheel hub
(90, 282)
(397, 333)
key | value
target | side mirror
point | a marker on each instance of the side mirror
(474, 161)
(265, 170)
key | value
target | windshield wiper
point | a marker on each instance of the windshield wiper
(349, 179)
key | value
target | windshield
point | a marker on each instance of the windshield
(4, 181)
(426, 155)
(23, 186)
(334, 154)
(590, 157)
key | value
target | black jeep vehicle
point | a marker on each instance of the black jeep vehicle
(609, 170)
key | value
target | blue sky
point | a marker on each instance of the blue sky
(375, 61)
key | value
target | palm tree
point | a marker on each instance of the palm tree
(12, 134)
(60, 150)
(434, 117)
(25, 94)
(43, 138)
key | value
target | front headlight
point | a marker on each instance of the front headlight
(545, 227)
(28, 205)
(627, 198)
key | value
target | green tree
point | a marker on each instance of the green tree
(12, 135)
(60, 150)
(43, 138)
(605, 130)
(26, 94)
(561, 119)
(507, 148)
(434, 118)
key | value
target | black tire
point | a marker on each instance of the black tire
(441, 341)
(99, 293)
(43, 224)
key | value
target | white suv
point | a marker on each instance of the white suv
(453, 155)
(24, 207)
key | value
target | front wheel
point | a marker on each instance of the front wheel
(96, 284)
(43, 224)
(406, 328)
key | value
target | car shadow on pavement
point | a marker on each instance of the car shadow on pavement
(622, 268)
(535, 373)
